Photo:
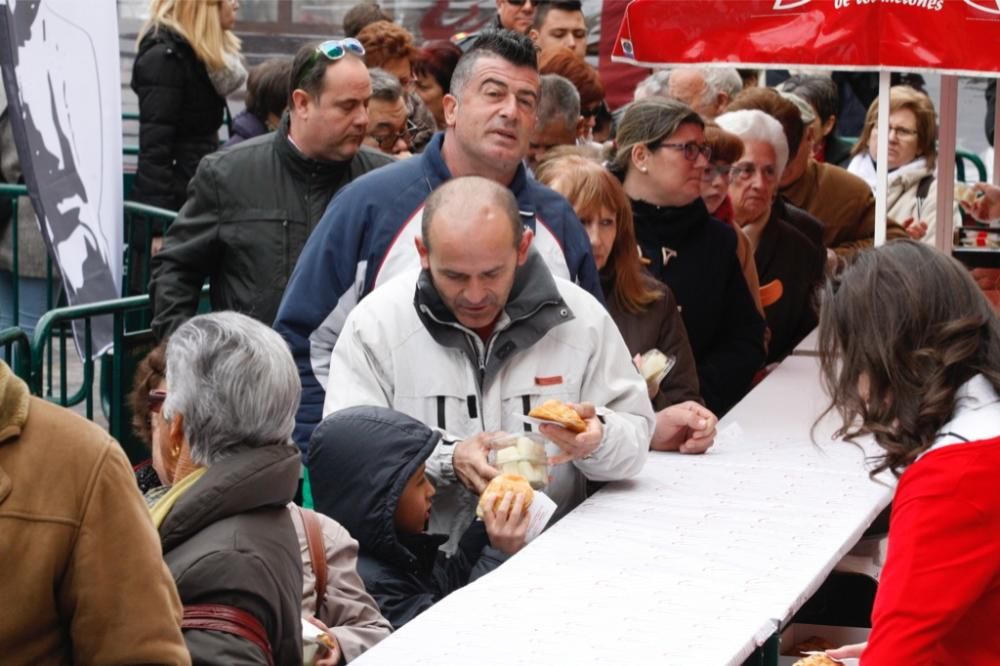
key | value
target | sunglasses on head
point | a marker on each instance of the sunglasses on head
(332, 49)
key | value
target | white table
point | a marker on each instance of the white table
(696, 562)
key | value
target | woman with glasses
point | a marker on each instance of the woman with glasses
(912, 192)
(643, 308)
(187, 63)
(789, 265)
(726, 149)
(661, 157)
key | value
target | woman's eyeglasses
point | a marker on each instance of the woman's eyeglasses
(332, 49)
(745, 172)
(155, 400)
(690, 149)
(386, 140)
(713, 171)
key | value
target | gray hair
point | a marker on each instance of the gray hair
(558, 98)
(234, 381)
(754, 125)
(653, 85)
(806, 111)
(717, 79)
(385, 86)
(467, 191)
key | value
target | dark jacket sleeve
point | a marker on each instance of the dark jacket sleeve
(321, 292)
(158, 79)
(191, 248)
(727, 369)
(242, 580)
(681, 383)
(991, 110)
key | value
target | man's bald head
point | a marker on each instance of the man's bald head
(465, 204)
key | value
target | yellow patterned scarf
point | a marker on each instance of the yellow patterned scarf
(164, 504)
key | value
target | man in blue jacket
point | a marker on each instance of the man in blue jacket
(367, 234)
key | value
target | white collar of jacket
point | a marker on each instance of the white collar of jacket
(533, 308)
(976, 417)
(863, 166)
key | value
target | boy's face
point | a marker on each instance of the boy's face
(414, 508)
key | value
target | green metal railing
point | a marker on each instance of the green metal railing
(141, 218)
(117, 365)
(15, 193)
(16, 350)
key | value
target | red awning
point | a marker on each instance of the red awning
(956, 36)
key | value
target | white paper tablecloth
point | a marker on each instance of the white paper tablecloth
(695, 562)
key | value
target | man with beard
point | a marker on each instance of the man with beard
(367, 234)
(251, 208)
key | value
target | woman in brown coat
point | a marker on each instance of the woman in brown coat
(643, 309)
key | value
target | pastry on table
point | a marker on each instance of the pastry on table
(561, 413)
(500, 485)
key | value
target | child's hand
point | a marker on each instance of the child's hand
(506, 523)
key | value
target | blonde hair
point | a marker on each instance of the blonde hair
(199, 23)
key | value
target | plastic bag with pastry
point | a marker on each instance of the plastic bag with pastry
(561, 413)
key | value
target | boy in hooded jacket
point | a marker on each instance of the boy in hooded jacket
(366, 467)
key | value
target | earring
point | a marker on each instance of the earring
(175, 452)
(644, 169)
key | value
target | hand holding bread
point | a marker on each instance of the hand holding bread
(580, 431)
(503, 506)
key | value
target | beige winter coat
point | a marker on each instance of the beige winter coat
(352, 615)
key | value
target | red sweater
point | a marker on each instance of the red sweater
(938, 600)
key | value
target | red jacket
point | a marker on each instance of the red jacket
(939, 596)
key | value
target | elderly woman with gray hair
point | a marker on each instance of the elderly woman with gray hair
(225, 421)
(789, 265)
(661, 157)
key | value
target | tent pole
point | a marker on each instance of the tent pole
(996, 149)
(947, 121)
(882, 158)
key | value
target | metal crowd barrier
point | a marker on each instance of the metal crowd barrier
(16, 350)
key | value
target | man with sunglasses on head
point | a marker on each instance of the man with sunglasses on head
(368, 233)
(515, 15)
(251, 208)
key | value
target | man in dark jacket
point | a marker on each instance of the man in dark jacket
(251, 208)
(367, 235)
(367, 469)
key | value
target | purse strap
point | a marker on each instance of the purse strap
(317, 554)
(228, 619)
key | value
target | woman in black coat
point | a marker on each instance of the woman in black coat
(188, 61)
(661, 157)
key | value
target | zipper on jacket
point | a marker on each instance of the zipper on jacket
(288, 271)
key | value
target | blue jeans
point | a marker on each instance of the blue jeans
(32, 305)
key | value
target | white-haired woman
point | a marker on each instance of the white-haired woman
(784, 255)
(225, 422)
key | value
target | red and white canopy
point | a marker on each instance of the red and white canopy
(950, 36)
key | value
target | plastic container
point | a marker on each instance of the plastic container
(655, 365)
(524, 454)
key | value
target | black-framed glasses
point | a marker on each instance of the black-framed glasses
(155, 400)
(592, 111)
(690, 149)
(331, 49)
(387, 140)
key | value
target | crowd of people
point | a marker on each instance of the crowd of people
(411, 248)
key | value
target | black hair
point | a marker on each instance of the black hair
(543, 7)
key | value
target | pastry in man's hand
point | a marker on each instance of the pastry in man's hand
(561, 413)
(817, 660)
(502, 484)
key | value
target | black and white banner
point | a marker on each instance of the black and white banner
(62, 75)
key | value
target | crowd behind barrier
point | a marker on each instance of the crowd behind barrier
(418, 287)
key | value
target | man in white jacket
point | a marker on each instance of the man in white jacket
(480, 336)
